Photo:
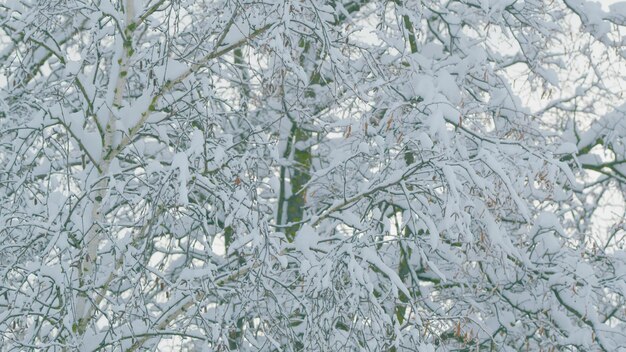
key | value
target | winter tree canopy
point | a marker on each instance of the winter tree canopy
(312, 175)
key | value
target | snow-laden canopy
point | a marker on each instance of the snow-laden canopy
(312, 175)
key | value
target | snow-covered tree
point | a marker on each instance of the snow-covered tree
(312, 175)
